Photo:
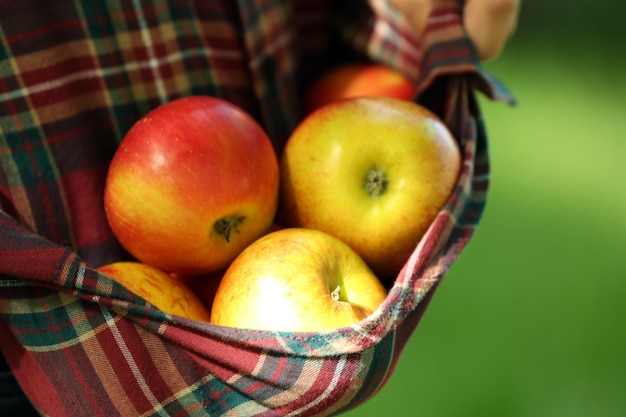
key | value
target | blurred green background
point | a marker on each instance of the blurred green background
(530, 321)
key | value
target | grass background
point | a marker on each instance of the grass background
(529, 322)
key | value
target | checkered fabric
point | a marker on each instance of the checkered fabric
(74, 76)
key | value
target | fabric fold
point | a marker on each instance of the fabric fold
(81, 344)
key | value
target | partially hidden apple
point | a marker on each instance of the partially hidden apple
(357, 79)
(371, 171)
(158, 288)
(296, 280)
(192, 183)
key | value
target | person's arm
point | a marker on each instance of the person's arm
(489, 23)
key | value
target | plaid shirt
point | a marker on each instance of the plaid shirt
(74, 76)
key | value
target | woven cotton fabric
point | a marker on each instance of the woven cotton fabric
(74, 76)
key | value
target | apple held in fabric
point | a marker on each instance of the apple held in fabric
(158, 288)
(357, 79)
(296, 280)
(192, 183)
(373, 172)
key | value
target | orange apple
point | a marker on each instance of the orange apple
(192, 183)
(157, 287)
(296, 280)
(373, 172)
(358, 79)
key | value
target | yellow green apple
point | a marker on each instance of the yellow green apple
(296, 280)
(371, 171)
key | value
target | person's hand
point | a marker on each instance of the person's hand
(489, 23)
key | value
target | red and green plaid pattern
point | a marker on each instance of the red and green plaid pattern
(75, 76)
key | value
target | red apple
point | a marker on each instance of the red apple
(158, 288)
(371, 171)
(192, 183)
(296, 280)
(357, 79)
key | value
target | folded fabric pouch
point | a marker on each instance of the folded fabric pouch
(80, 344)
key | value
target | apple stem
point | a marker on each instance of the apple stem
(376, 182)
(336, 293)
(228, 225)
